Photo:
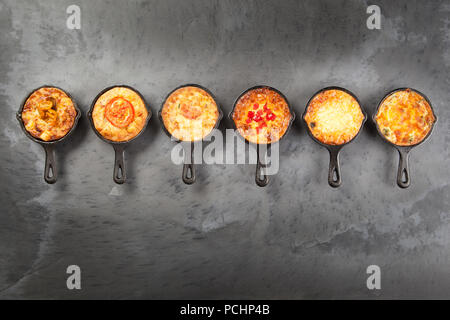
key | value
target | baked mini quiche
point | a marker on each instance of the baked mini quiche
(405, 117)
(48, 114)
(334, 117)
(189, 113)
(262, 115)
(119, 114)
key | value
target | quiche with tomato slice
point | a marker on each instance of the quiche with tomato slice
(405, 117)
(334, 117)
(119, 114)
(48, 114)
(189, 113)
(262, 115)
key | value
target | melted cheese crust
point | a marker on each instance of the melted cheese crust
(405, 118)
(334, 117)
(48, 114)
(110, 131)
(266, 130)
(189, 113)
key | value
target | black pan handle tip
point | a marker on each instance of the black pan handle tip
(261, 178)
(50, 172)
(403, 179)
(188, 173)
(119, 165)
(334, 173)
(188, 166)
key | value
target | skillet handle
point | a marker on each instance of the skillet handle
(50, 172)
(403, 179)
(334, 173)
(119, 164)
(188, 166)
(261, 178)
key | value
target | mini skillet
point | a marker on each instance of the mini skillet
(188, 174)
(50, 171)
(261, 178)
(334, 172)
(119, 175)
(403, 178)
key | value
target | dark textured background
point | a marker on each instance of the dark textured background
(224, 237)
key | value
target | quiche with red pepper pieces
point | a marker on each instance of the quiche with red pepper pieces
(334, 117)
(262, 116)
(405, 117)
(119, 114)
(48, 114)
(189, 113)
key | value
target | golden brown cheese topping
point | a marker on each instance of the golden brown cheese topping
(405, 118)
(334, 117)
(119, 114)
(48, 114)
(189, 113)
(262, 116)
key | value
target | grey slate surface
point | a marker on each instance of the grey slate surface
(224, 237)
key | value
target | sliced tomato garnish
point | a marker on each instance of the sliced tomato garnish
(191, 112)
(257, 118)
(270, 116)
(119, 112)
(255, 106)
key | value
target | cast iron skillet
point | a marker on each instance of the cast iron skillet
(261, 178)
(403, 179)
(188, 174)
(50, 171)
(119, 147)
(334, 173)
